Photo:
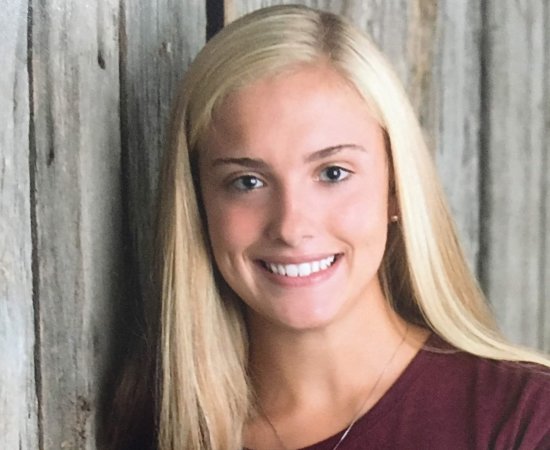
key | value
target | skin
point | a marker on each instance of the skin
(294, 169)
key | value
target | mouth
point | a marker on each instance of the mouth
(303, 269)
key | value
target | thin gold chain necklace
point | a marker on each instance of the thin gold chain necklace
(359, 412)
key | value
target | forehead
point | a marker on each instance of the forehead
(288, 88)
(307, 107)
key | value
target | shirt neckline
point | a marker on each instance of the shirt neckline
(391, 398)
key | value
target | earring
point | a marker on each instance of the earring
(394, 218)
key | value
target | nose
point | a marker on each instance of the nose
(291, 218)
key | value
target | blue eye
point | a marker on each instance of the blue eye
(334, 174)
(247, 183)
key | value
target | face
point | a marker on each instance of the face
(294, 180)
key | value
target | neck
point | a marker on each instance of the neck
(311, 384)
(305, 367)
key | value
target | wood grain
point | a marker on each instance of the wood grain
(545, 167)
(455, 115)
(544, 318)
(78, 246)
(18, 403)
(516, 175)
(160, 39)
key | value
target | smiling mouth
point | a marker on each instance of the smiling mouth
(300, 270)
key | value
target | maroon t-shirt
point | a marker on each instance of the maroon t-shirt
(453, 400)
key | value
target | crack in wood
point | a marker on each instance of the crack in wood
(484, 155)
(215, 15)
(51, 156)
(101, 59)
(34, 233)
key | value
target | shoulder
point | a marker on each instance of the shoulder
(508, 401)
(484, 378)
(487, 374)
(447, 398)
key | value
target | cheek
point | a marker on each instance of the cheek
(363, 215)
(362, 221)
(231, 228)
(367, 203)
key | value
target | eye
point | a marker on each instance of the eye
(247, 183)
(334, 174)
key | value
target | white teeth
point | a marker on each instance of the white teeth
(304, 269)
(301, 270)
(291, 270)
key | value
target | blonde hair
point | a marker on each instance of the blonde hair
(205, 394)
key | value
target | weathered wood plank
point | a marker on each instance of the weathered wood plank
(76, 102)
(161, 38)
(545, 167)
(18, 405)
(545, 266)
(455, 112)
(433, 47)
(516, 176)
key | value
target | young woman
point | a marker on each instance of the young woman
(314, 294)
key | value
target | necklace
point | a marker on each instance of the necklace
(358, 413)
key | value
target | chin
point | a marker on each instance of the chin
(306, 317)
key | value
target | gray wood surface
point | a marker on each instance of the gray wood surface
(545, 237)
(18, 406)
(455, 112)
(433, 47)
(517, 172)
(78, 248)
(160, 40)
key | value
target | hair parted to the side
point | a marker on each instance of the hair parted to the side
(205, 395)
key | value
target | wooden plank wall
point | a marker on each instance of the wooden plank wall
(517, 169)
(85, 102)
(76, 172)
(158, 41)
(84, 99)
(18, 401)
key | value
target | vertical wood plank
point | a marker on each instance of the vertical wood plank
(545, 267)
(18, 404)
(161, 38)
(455, 112)
(76, 101)
(516, 176)
(434, 48)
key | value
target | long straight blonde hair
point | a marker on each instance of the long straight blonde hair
(204, 390)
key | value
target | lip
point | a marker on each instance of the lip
(287, 281)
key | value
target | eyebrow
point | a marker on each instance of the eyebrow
(256, 163)
(329, 151)
(252, 163)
